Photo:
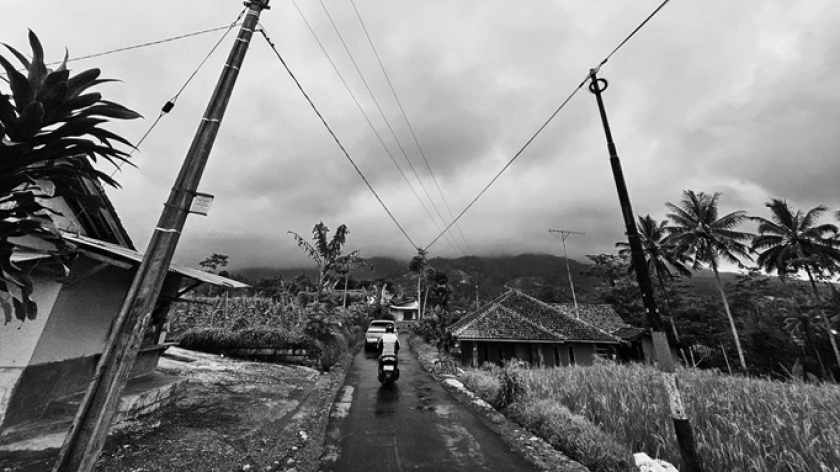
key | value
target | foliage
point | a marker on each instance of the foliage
(511, 387)
(740, 423)
(568, 432)
(49, 134)
(790, 241)
(326, 252)
(698, 234)
(214, 261)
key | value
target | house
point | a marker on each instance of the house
(638, 343)
(54, 356)
(406, 311)
(516, 325)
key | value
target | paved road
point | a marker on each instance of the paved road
(416, 426)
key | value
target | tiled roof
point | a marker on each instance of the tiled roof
(629, 333)
(600, 315)
(516, 316)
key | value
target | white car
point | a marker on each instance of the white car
(375, 332)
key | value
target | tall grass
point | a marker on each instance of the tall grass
(740, 424)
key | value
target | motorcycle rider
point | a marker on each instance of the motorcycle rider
(388, 344)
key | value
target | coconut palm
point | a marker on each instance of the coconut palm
(702, 236)
(789, 242)
(49, 134)
(661, 258)
(325, 252)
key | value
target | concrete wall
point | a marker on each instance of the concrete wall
(18, 339)
(83, 313)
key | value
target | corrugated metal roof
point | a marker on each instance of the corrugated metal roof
(134, 256)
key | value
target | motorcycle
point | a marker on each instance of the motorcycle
(388, 370)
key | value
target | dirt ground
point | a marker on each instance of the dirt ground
(235, 416)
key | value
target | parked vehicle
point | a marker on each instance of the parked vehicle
(375, 331)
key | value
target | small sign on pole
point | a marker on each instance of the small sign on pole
(201, 203)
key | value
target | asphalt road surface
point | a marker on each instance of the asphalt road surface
(416, 425)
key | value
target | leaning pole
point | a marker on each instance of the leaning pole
(84, 442)
(682, 425)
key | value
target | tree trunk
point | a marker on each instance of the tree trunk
(344, 298)
(419, 293)
(731, 319)
(824, 317)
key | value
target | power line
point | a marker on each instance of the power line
(388, 125)
(170, 104)
(633, 33)
(362, 110)
(515, 156)
(341, 146)
(574, 92)
(413, 134)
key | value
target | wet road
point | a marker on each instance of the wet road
(416, 425)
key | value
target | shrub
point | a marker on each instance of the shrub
(511, 388)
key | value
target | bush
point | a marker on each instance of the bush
(511, 388)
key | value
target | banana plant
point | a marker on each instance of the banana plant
(51, 133)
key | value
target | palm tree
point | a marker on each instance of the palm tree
(704, 238)
(790, 242)
(660, 257)
(325, 252)
(49, 135)
(418, 265)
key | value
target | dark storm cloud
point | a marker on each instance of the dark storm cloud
(712, 96)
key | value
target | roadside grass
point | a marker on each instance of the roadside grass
(566, 431)
(740, 424)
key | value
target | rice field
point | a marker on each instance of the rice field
(740, 424)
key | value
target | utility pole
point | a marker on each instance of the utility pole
(682, 426)
(84, 442)
(563, 235)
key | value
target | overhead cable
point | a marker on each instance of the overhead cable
(362, 110)
(337, 141)
(413, 134)
(170, 104)
(388, 125)
(574, 92)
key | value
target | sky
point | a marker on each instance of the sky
(715, 96)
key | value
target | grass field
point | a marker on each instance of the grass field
(740, 424)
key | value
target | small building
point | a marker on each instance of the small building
(54, 355)
(406, 311)
(516, 325)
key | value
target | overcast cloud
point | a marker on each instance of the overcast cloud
(737, 97)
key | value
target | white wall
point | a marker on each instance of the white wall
(18, 339)
(83, 313)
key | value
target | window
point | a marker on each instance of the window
(571, 355)
(603, 351)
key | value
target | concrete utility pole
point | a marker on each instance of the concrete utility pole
(87, 434)
(682, 426)
(563, 235)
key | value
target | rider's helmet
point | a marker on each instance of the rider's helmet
(389, 328)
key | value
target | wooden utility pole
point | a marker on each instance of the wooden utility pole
(682, 426)
(563, 235)
(87, 434)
